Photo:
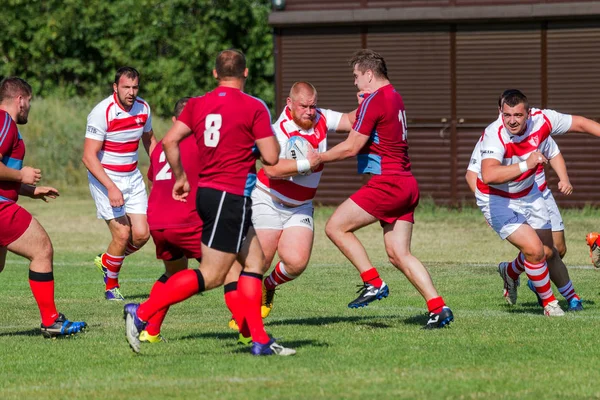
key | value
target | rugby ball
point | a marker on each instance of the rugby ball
(297, 148)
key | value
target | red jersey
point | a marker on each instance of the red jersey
(12, 152)
(226, 124)
(163, 211)
(382, 117)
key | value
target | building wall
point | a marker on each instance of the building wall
(450, 74)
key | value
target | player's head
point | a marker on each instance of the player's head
(367, 65)
(179, 106)
(302, 103)
(514, 108)
(230, 65)
(15, 93)
(126, 86)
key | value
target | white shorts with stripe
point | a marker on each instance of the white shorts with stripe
(555, 217)
(506, 215)
(134, 194)
(268, 214)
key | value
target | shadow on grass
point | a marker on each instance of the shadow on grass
(292, 344)
(28, 332)
(374, 321)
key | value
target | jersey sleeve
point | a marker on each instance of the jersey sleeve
(8, 135)
(475, 162)
(367, 115)
(561, 123)
(261, 126)
(96, 124)
(148, 125)
(550, 148)
(333, 119)
(492, 146)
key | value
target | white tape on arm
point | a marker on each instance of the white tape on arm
(303, 166)
(523, 166)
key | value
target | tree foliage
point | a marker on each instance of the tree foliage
(73, 48)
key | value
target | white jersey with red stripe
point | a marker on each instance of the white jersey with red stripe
(550, 151)
(120, 131)
(299, 189)
(509, 149)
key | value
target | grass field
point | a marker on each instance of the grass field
(490, 351)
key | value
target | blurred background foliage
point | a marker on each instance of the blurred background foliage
(72, 48)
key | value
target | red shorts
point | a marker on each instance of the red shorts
(14, 221)
(174, 243)
(389, 198)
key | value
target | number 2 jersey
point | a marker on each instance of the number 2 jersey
(164, 212)
(226, 123)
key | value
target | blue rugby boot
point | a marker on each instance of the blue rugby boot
(369, 293)
(62, 327)
(439, 320)
(271, 348)
(532, 288)
(133, 326)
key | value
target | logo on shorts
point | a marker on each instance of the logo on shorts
(513, 219)
(306, 221)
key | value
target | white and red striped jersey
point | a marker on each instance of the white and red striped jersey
(299, 189)
(120, 131)
(550, 151)
(509, 149)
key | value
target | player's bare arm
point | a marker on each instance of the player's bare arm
(39, 192)
(91, 148)
(269, 150)
(560, 167)
(346, 121)
(174, 136)
(286, 168)
(584, 125)
(346, 149)
(149, 141)
(471, 178)
(26, 175)
(494, 173)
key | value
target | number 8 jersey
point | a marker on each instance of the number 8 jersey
(164, 212)
(226, 123)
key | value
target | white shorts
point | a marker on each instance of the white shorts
(506, 215)
(268, 214)
(555, 217)
(134, 194)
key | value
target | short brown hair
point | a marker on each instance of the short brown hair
(366, 59)
(129, 72)
(179, 106)
(13, 86)
(512, 97)
(230, 64)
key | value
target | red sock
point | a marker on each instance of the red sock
(435, 305)
(233, 299)
(113, 265)
(179, 287)
(155, 321)
(250, 291)
(130, 249)
(371, 276)
(42, 287)
(278, 276)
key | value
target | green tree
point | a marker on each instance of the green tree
(70, 48)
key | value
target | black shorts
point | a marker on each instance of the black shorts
(226, 218)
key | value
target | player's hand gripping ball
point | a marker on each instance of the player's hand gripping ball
(297, 148)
